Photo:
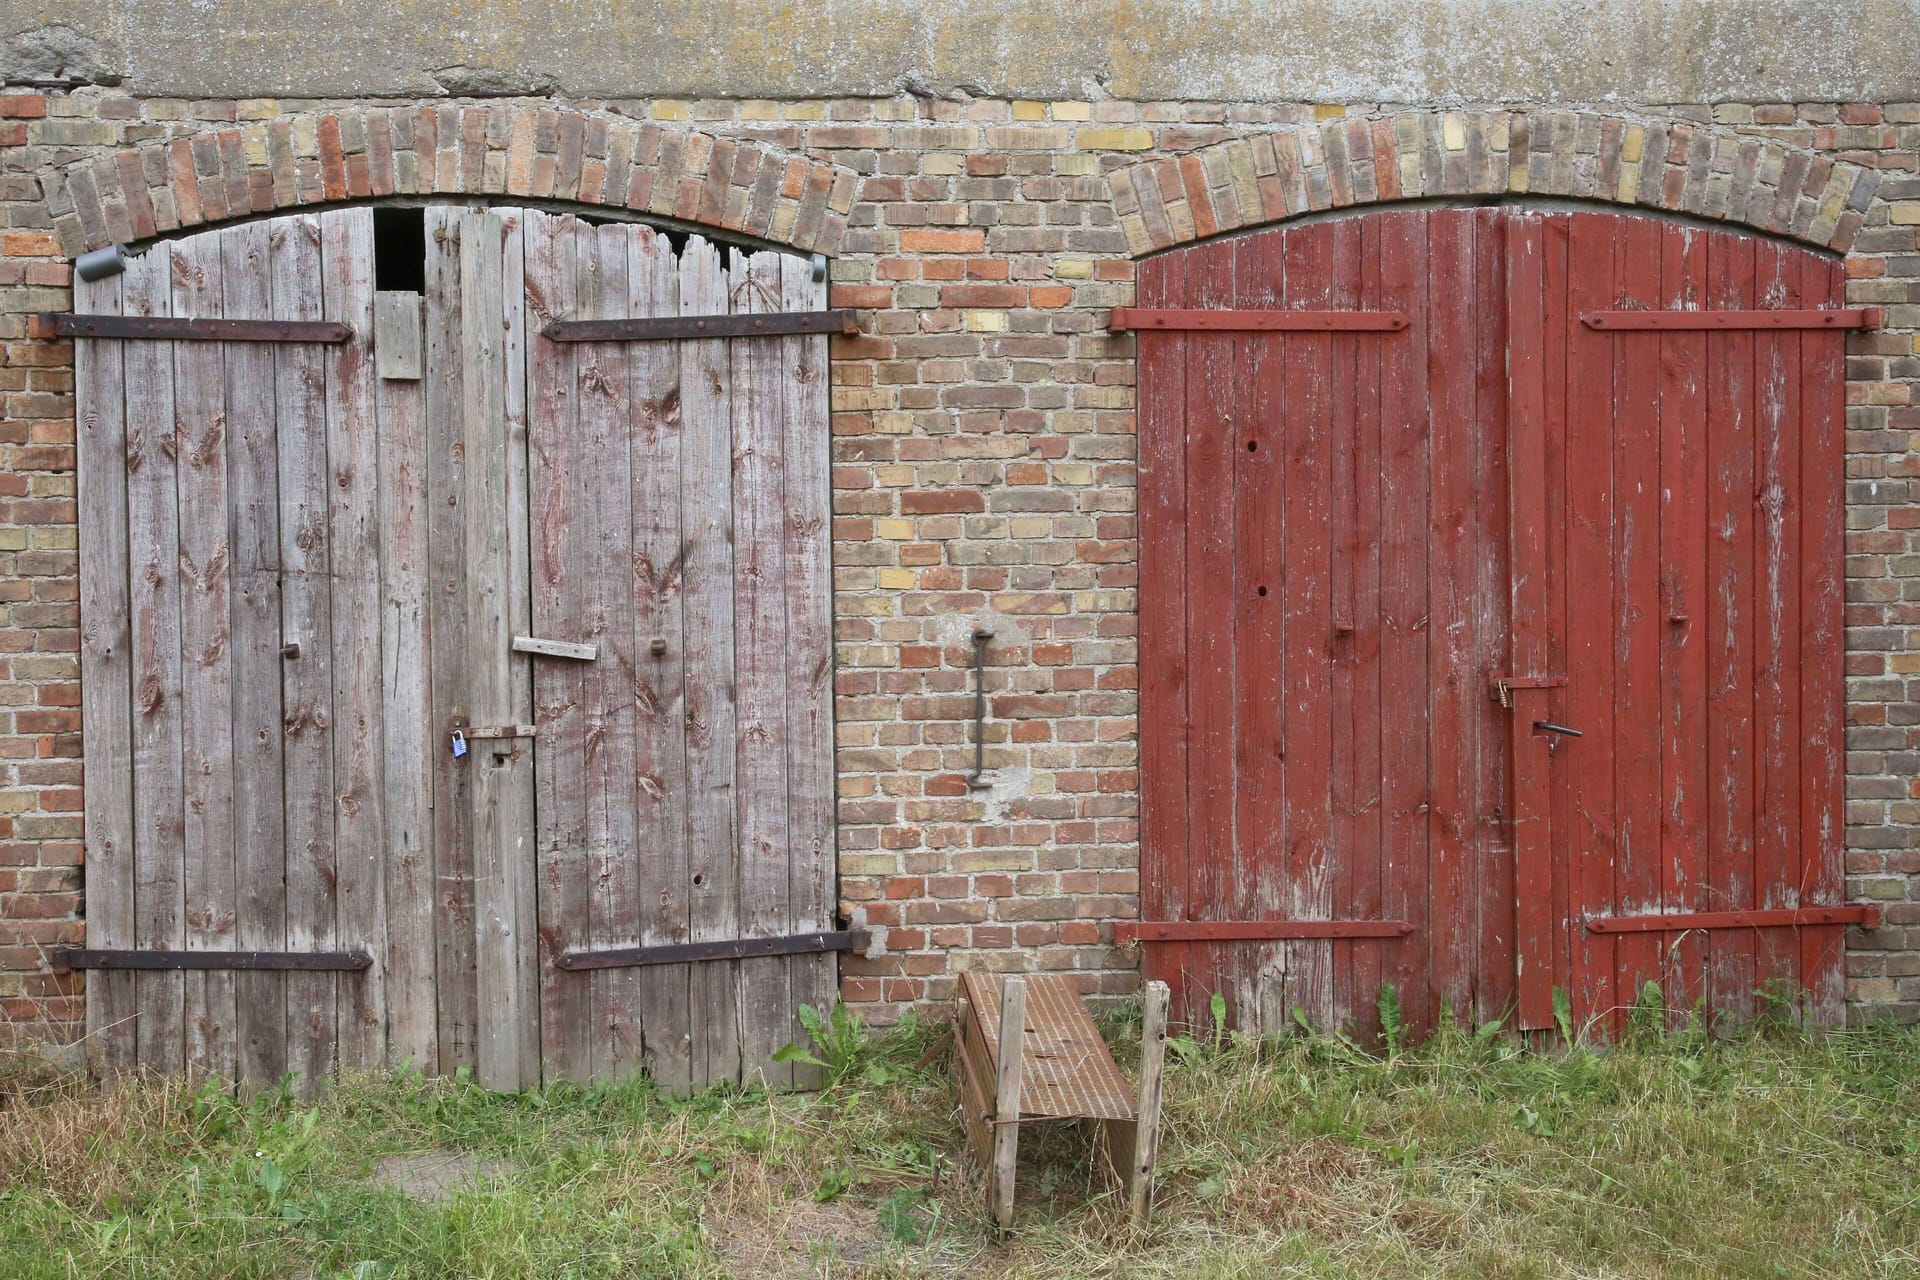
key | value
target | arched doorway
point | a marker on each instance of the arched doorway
(458, 649)
(1491, 619)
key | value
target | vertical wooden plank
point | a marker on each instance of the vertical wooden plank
(1730, 626)
(206, 673)
(1456, 684)
(1823, 391)
(1527, 487)
(1641, 620)
(760, 666)
(106, 670)
(1405, 524)
(653, 289)
(1255, 973)
(306, 689)
(259, 795)
(1354, 399)
(1596, 635)
(502, 849)
(1363, 795)
(1683, 543)
(457, 997)
(707, 640)
(812, 883)
(410, 735)
(561, 558)
(1213, 421)
(353, 519)
(1567, 870)
(1161, 449)
(1307, 637)
(1496, 895)
(516, 793)
(153, 538)
(607, 619)
(1776, 573)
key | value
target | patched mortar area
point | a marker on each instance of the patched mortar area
(433, 1176)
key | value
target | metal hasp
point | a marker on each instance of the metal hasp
(1127, 931)
(664, 328)
(977, 779)
(793, 944)
(1808, 318)
(54, 324)
(1789, 918)
(1125, 318)
(304, 961)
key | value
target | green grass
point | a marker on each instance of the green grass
(1769, 1155)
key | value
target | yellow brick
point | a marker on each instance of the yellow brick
(1026, 110)
(1632, 145)
(1114, 139)
(257, 108)
(806, 111)
(943, 165)
(1329, 113)
(897, 530)
(893, 477)
(1073, 111)
(1517, 174)
(1629, 187)
(986, 322)
(1073, 269)
(759, 109)
(1904, 664)
(1453, 132)
(1076, 166)
(898, 579)
(669, 109)
(254, 143)
(1907, 213)
(1026, 527)
(893, 424)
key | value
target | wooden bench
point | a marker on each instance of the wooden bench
(1063, 1071)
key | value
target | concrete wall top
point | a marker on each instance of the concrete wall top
(1550, 51)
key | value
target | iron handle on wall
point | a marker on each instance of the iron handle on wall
(1548, 726)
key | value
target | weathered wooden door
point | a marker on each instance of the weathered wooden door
(345, 808)
(680, 509)
(1441, 511)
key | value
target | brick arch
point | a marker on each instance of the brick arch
(511, 150)
(1703, 170)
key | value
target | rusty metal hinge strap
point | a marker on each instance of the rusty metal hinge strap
(1781, 318)
(1227, 319)
(1867, 917)
(666, 328)
(55, 324)
(729, 949)
(1254, 930)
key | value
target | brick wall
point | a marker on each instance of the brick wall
(983, 432)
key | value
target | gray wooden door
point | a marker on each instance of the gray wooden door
(680, 507)
(303, 570)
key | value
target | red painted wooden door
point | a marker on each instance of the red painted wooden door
(1372, 561)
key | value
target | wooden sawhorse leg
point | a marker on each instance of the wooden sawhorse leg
(1006, 1101)
(1134, 1145)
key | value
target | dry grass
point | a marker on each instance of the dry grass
(1768, 1156)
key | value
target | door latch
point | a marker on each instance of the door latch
(1548, 726)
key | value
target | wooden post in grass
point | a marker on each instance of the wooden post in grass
(1006, 1101)
(1146, 1141)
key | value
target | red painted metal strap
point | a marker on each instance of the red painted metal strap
(1849, 318)
(1803, 917)
(1221, 318)
(1254, 930)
